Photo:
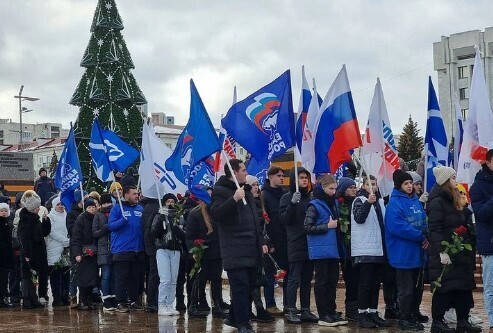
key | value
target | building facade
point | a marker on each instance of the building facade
(10, 132)
(453, 59)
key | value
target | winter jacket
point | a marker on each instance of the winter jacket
(322, 241)
(238, 225)
(367, 230)
(275, 229)
(57, 240)
(405, 230)
(6, 254)
(481, 195)
(126, 232)
(86, 274)
(45, 188)
(101, 234)
(151, 209)
(72, 215)
(31, 233)
(293, 218)
(196, 229)
(168, 236)
(443, 219)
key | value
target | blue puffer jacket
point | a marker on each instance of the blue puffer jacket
(322, 241)
(481, 194)
(405, 229)
(126, 234)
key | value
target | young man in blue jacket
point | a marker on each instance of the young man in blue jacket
(127, 248)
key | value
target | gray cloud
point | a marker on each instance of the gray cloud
(225, 43)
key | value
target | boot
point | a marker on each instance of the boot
(365, 321)
(391, 312)
(292, 317)
(73, 302)
(463, 326)
(65, 298)
(308, 317)
(5, 303)
(378, 320)
(407, 323)
(180, 303)
(420, 318)
(218, 311)
(439, 326)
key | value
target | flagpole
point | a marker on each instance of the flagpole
(82, 195)
(232, 174)
(296, 169)
(426, 168)
(364, 169)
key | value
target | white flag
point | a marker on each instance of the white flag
(459, 132)
(155, 180)
(379, 153)
(478, 133)
(308, 145)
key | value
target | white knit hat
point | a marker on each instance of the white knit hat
(250, 180)
(442, 174)
(30, 200)
(3, 205)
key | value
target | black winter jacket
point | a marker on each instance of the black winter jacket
(6, 254)
(196, 229)
(82, 234)
(101, 234)
(443, 219)
(31, 233)
(160, 233)
(151, 209)
(75, 211)
(238, 225)
(481, 194)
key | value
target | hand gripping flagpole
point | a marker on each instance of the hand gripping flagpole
(232, 174)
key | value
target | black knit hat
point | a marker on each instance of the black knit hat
(105, 198)
(41, 170)
(169, 196)
(400, 177)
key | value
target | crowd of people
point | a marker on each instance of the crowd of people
(133, 253)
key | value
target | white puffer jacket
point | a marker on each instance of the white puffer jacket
(57, 240)
(366, 238)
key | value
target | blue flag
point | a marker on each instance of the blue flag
(196, 143)
(68, 176)
(258, 169)
(263, 123)
(109, 152)
(203, 179)
(436, 143)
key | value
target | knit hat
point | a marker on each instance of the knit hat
(95, 195)
(416, 177)
(115, 186)
(4, 206)
(168, 196)
(31, 200)
(41, 170)
(89, 202)
(400, 177)
(250, 180)
(442, 174)
(78, 195)
(105, 198)
(344, 184)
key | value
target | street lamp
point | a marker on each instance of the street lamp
(23, 110)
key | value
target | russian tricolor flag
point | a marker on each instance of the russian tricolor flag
(305, 99)
(336, 129)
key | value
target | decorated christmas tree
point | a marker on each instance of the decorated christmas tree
(107, 89)
(53, 164)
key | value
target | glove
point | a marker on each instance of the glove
(445, 259)
(296, 197)
(424, 197)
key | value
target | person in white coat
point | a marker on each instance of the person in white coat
(57, 247)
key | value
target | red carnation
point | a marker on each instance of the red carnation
(198, 242)
(280, 274)
(266, 217)
(461, 230)
(341, 200)
(89, 252)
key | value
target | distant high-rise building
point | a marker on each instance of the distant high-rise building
(453, 59)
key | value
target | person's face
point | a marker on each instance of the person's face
(452, 181)
(59, 207)
(4, 213)
(418, 188)
(91, 209)
(303, 180)
(42, 173)
(132, 197)
(96, 202)
(277, 179)
(118, 174)
(241, 174)
(330, 189)
(117, 193)
(407, 187)
(351, 191)
(170, 202)
(373, 183)
(489, 164)
(255, 189)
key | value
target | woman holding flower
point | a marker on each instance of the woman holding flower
(452, 261)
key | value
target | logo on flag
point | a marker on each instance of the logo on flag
(263, 112)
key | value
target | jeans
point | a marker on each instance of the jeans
(107, 280)
(242, 281)
(127, 276)
(168, 264)
(326, 277)
(269, 282)
(369, 285)
(300, 275)
(409, 289)
(488, 286)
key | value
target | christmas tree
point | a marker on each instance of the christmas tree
(53, 164)
(410, 144)
(107, 89)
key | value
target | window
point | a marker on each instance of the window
(471, 70)
(462, 72)
(463, 93)
(464, 113)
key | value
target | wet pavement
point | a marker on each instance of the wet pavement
(66, 320)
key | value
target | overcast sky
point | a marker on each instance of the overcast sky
(225, 43)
